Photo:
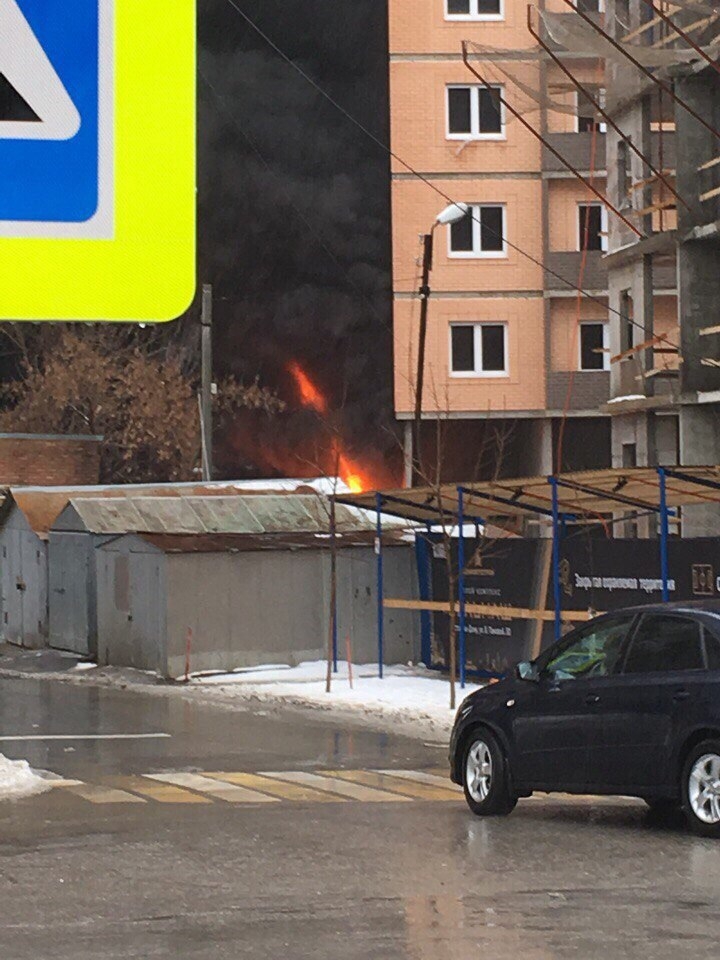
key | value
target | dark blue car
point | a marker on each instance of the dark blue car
(627, 704)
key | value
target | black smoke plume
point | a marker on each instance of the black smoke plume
(294, 210)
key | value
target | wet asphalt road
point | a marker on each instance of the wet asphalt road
(348, 880)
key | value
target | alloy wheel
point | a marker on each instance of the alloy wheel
(704, 788)
(479, 770)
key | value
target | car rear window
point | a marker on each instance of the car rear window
(712, 648)
(665, 644)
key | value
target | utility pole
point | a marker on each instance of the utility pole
(206, 387)
(419, 381)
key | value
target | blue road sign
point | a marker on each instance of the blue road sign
(50, 149)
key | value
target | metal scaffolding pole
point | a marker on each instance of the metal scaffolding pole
(556, 557)
(461, 584)
(664, 536)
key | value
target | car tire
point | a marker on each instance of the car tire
(701, 789)
(485, 776)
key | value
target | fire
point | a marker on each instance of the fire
(323, 450)
(310, 395)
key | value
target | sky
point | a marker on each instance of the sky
(294, 213)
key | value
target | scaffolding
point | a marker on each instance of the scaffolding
(588, 497)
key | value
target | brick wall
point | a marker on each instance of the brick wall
(40, 460)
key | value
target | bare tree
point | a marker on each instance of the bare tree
(134, 390)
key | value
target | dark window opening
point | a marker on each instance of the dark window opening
(489, 111)
(463, 349)
(592, 346)
(591, 226)
(459, 117)
(491, 228)
(461, 234)
(493, 348)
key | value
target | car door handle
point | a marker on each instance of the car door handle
(681, 695)
(592, 699)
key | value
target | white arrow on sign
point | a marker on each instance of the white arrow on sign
(27, 68)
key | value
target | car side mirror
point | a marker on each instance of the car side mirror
(526, 670)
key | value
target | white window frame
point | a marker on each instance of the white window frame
(475, 133)
(474, 15)
(602, 126)
(603, 225)
(605, 346)
(476, 253)
(478, 373)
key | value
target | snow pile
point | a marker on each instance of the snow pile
(412, 694)
(18, 779)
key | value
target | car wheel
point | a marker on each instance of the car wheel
(701, 789)
(485, 779)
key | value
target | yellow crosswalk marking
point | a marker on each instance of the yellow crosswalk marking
(100, 794)
(160, 792)
(223, 791)
(299, 786)
(352, 791)
(422, 776)
(277, 788)
(384, 781)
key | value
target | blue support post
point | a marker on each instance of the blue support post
(664, 536)
(380, 585)
(556, 557)
(461, 584)
(422, 550)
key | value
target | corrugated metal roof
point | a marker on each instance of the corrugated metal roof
(250, 515)
(251, 543)
(42, 505)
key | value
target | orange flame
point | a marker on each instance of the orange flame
(310, 395)
(358, 478)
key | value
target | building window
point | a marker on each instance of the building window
(586, 116)
(593, 346)
(474, 9)
(478, 349)
(474, 112)
(480, 234)
(592, 226)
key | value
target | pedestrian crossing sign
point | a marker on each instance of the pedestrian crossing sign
(97, 159)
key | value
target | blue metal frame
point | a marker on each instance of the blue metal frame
(422, 556)
(556, 556)
(664, 536)
(380, 585)
(461, 584)
(699, 481)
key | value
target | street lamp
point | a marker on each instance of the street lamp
(452, 214)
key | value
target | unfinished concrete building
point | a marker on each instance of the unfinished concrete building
(664, 287)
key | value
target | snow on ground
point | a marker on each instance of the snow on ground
(412, 694)
(18, 779)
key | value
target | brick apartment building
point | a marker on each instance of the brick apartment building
(503, 339)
